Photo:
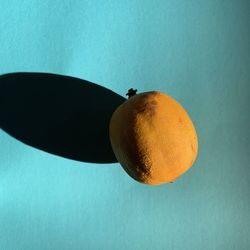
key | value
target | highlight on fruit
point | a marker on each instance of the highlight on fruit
(153, 137)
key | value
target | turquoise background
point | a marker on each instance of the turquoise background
(196, 51)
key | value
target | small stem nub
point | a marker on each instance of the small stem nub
(131, 92)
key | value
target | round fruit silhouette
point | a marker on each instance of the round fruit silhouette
(153, 137)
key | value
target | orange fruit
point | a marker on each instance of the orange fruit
(153, 137)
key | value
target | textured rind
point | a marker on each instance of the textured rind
(153, 138)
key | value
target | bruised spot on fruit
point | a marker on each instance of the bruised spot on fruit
(151, 110)
(192, 147)
(154, 102)
(148, 108)
(180, 120)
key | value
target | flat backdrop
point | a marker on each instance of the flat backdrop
(196, 51)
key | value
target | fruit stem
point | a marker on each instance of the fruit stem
(131, 92)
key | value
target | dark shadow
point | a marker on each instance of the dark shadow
(59, 114)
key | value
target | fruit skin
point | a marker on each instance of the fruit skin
(153, 138)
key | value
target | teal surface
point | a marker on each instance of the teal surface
(196, 51)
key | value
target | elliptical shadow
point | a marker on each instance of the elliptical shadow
(62, 115)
